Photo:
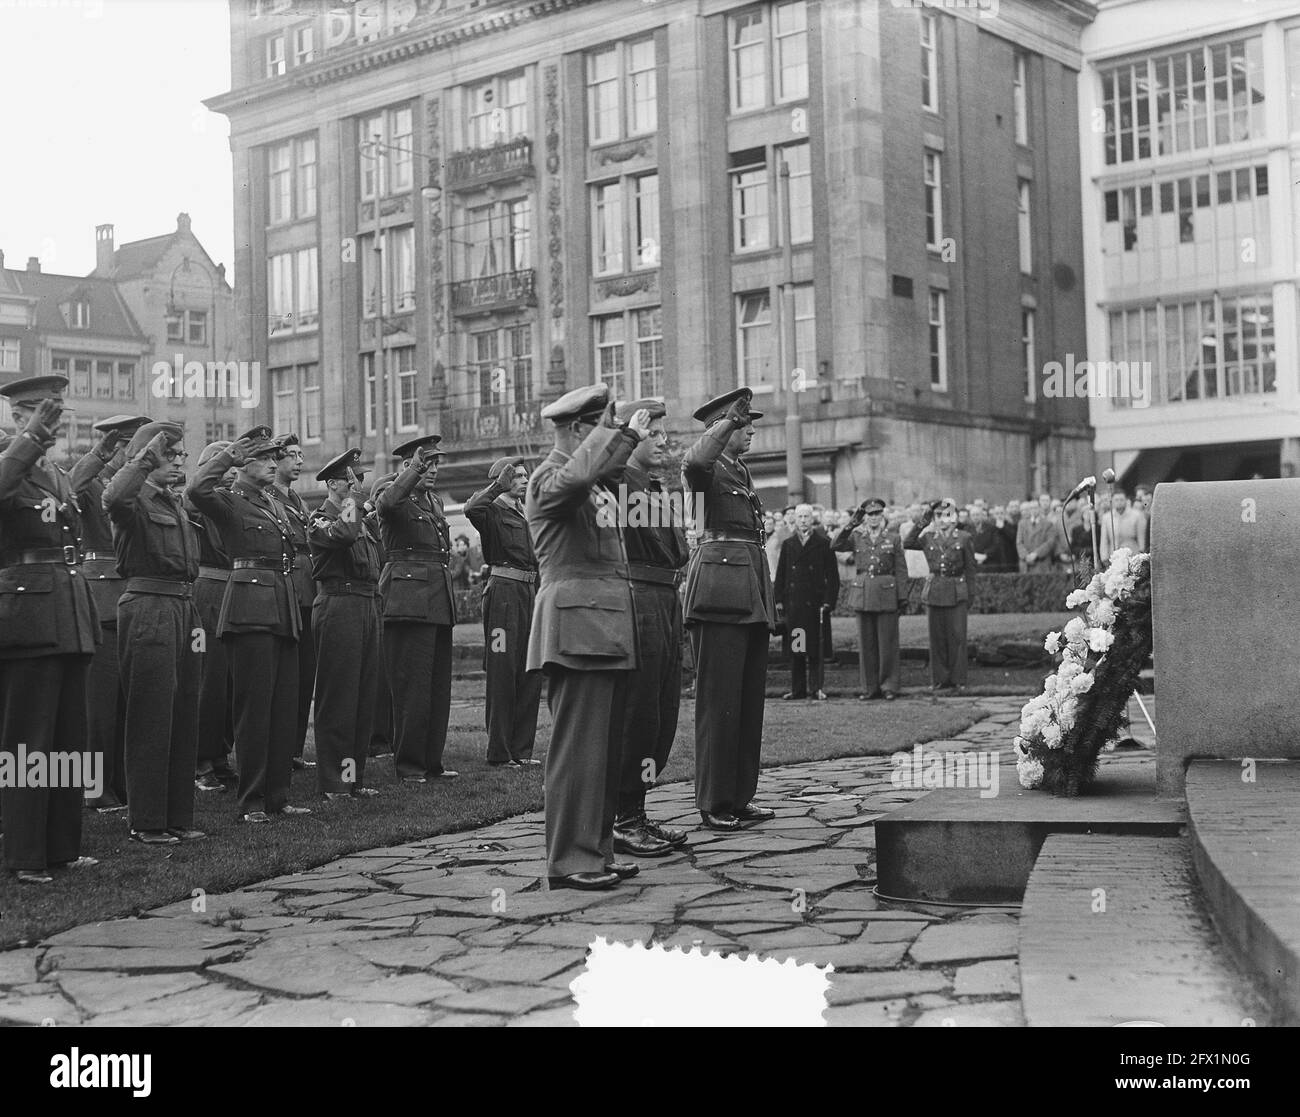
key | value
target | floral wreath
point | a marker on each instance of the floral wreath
(1064, 730)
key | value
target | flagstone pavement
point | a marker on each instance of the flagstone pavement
(459, 929)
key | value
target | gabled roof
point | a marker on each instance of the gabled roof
(139, 257)
(109, 315)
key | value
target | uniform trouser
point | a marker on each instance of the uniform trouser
(306, 679)
(582, 768)
(345, 630)
(215, 723)
(381, 735)
(105, 717)
(513, 692)
(731, 673)
(654, 693)
(947, 644)
(43, 709)
(264, 690)
(878, 652)
(418, 658)
(161, 673)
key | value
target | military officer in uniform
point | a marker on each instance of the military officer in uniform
(259, 620)
(287, 471)
(99, 566)
(656, 553)
(584, 631)
(946, 596)
(513, 692)
(162, 666)
(876, 593)
(806, 588)
(48, 632)
(345, 627)
(419, 612)
(728, 609)
(381, 737)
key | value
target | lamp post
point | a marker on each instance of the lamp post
(175, 313)
(380, 359)
(789, 349)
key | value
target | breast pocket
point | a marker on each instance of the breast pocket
(26, 619)
(165, 534)
(593, 620)
(727, 581)
(407, 589)
(259, 537)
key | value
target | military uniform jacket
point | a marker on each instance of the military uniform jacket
(584, 617)
(728, 581)
(152, 534)
(45, 608)
(296, 515)
(414, 590)
(952, 566)
(880, 584)
(502, 529)
(342, 547)
(652, 534)
(252, 526)
(88, 479)
(212, 551)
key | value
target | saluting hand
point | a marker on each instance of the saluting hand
(639, 424)
(240, 449)
(44, 423)
(152, 454)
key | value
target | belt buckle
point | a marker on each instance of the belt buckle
(286, 563)
(70, 554)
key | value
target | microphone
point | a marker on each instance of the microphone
(1083, 486)
(1108, 475)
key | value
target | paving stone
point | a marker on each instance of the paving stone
(282, 966)
(931, 1000)
(143, 960)
(331, 1013)
(777, 911)
(582, 935)
(213, 1006)
(848, 928)
(856, 955)
(95, 992)
(813, 880)
(451, 924)
(988, 979)
(847, 988)
(417, 952)
(867, 1014)
(148, 933)
(401, 989)
(561, 1017)
(17, 967)
(524, 964)
(956, 942)
(387, 905)
(36, 1010)
(848, 899)
(506, 999)
(990, 1014)
(467, 885)
(794, 937)
(307, 901)
(316, 881)
(503, 936)
(893, 930)
(259, 923)
(688, 937)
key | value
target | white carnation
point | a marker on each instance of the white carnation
(1052, 644)
(1069, 670)
(1099, 640)
(1052, 736)
(1081, 684)
(1030, 772)
(1077, 598)
(1102, 613)
(1075, 630)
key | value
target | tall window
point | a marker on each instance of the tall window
(495, 239)
(103, 379)
(291, 180)
(1029, 354)
(1293, 76)
(496, 110)
(805, 330)
(79, 314)
(611, 353)
(388, 166)
(293, 296)
(11, 354)
(625, 225)
(622, 92)
(938, 341)
(296, 406)
(399, 271)
(274, 55)
(630, 352)
(304, 44)
(196, 327)
(929, 63)
(408, 407)
(125, 379)
(1020, 97)
(768, 55)
(799, 206)
(1025, 228)
(933, 199)
(755, 341)
(749, 200)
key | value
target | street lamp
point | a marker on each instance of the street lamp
(175, 316)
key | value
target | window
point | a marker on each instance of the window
(496, 110)
(176, 326)
(938, 341)
(607, 224)
(798, 217)
(398, 251)
(11, 353)
(1019, 96)
(293, 301)
(805, 330)
(630, 352)
(1025, 227)
(929, 63)
(80, 374)
(103, 379)
(756, 341)
(622, 92)
(933, 200)
(760, 47)
(625, 225)
(408, 408)
(125, 386)
(291, 180)
(1028, 354)
(79, 314)
(275, 55)
(296, 401)
(501, 372)
(304, 45)
(196, 332)
(749, 207)
(611, 353)
(495, 239)
(1293, 75)
(390, 160)
(368, 375)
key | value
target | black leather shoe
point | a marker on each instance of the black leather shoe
(752, 813)
(34, 876)
(670, 834)
(790, 696)
(639, 842)
(890, 695)
(872, 697)
(586, 882)
(726, 821)
(185, 833)
(622, 869)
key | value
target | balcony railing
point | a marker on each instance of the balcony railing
(495, 422)
(494, 292)
(484, 164)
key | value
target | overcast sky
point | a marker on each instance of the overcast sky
(103, 123)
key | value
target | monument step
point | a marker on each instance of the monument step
(1113, 931)
(1244, 824)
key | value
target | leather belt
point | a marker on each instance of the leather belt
(512, 574)
(213, 573)
(99, 556)
(659, 575)
(284, 564)
(709, 536)
(417, 554)
(167, 587)
(346, 587)
(67, 555)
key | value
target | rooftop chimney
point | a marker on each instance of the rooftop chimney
(34, 263)
(182, 222)
(104, 249)
(2, 259)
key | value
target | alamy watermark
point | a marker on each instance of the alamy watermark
(927, 769)
(225, 380)
(21, 769)
(1130, 380)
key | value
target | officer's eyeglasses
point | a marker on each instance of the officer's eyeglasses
(175, 455)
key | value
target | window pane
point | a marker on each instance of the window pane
(608, 228)
(400, 149)
(642, 93)
(748, 60)
(647, 221)
(306, 177)
(280, 184)
(757, 349)
(799, 217)
(791, 51)
(648, 326)
(308, 295)
(519, 215)
(611, 354)
(602, 94)
(749, 203)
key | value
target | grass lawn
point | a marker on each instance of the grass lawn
(131, 878)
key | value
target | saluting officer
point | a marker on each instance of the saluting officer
(655, 539)
(48, 632)
(381, 737)
(287, 470)
(876, 593)
(99, 566)
(419, 611)
(946, 596)
(216, 733)
(584, 631)
(728, 609)
(158, 555)
(259, 620)
(345, 627)
(513, 692)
